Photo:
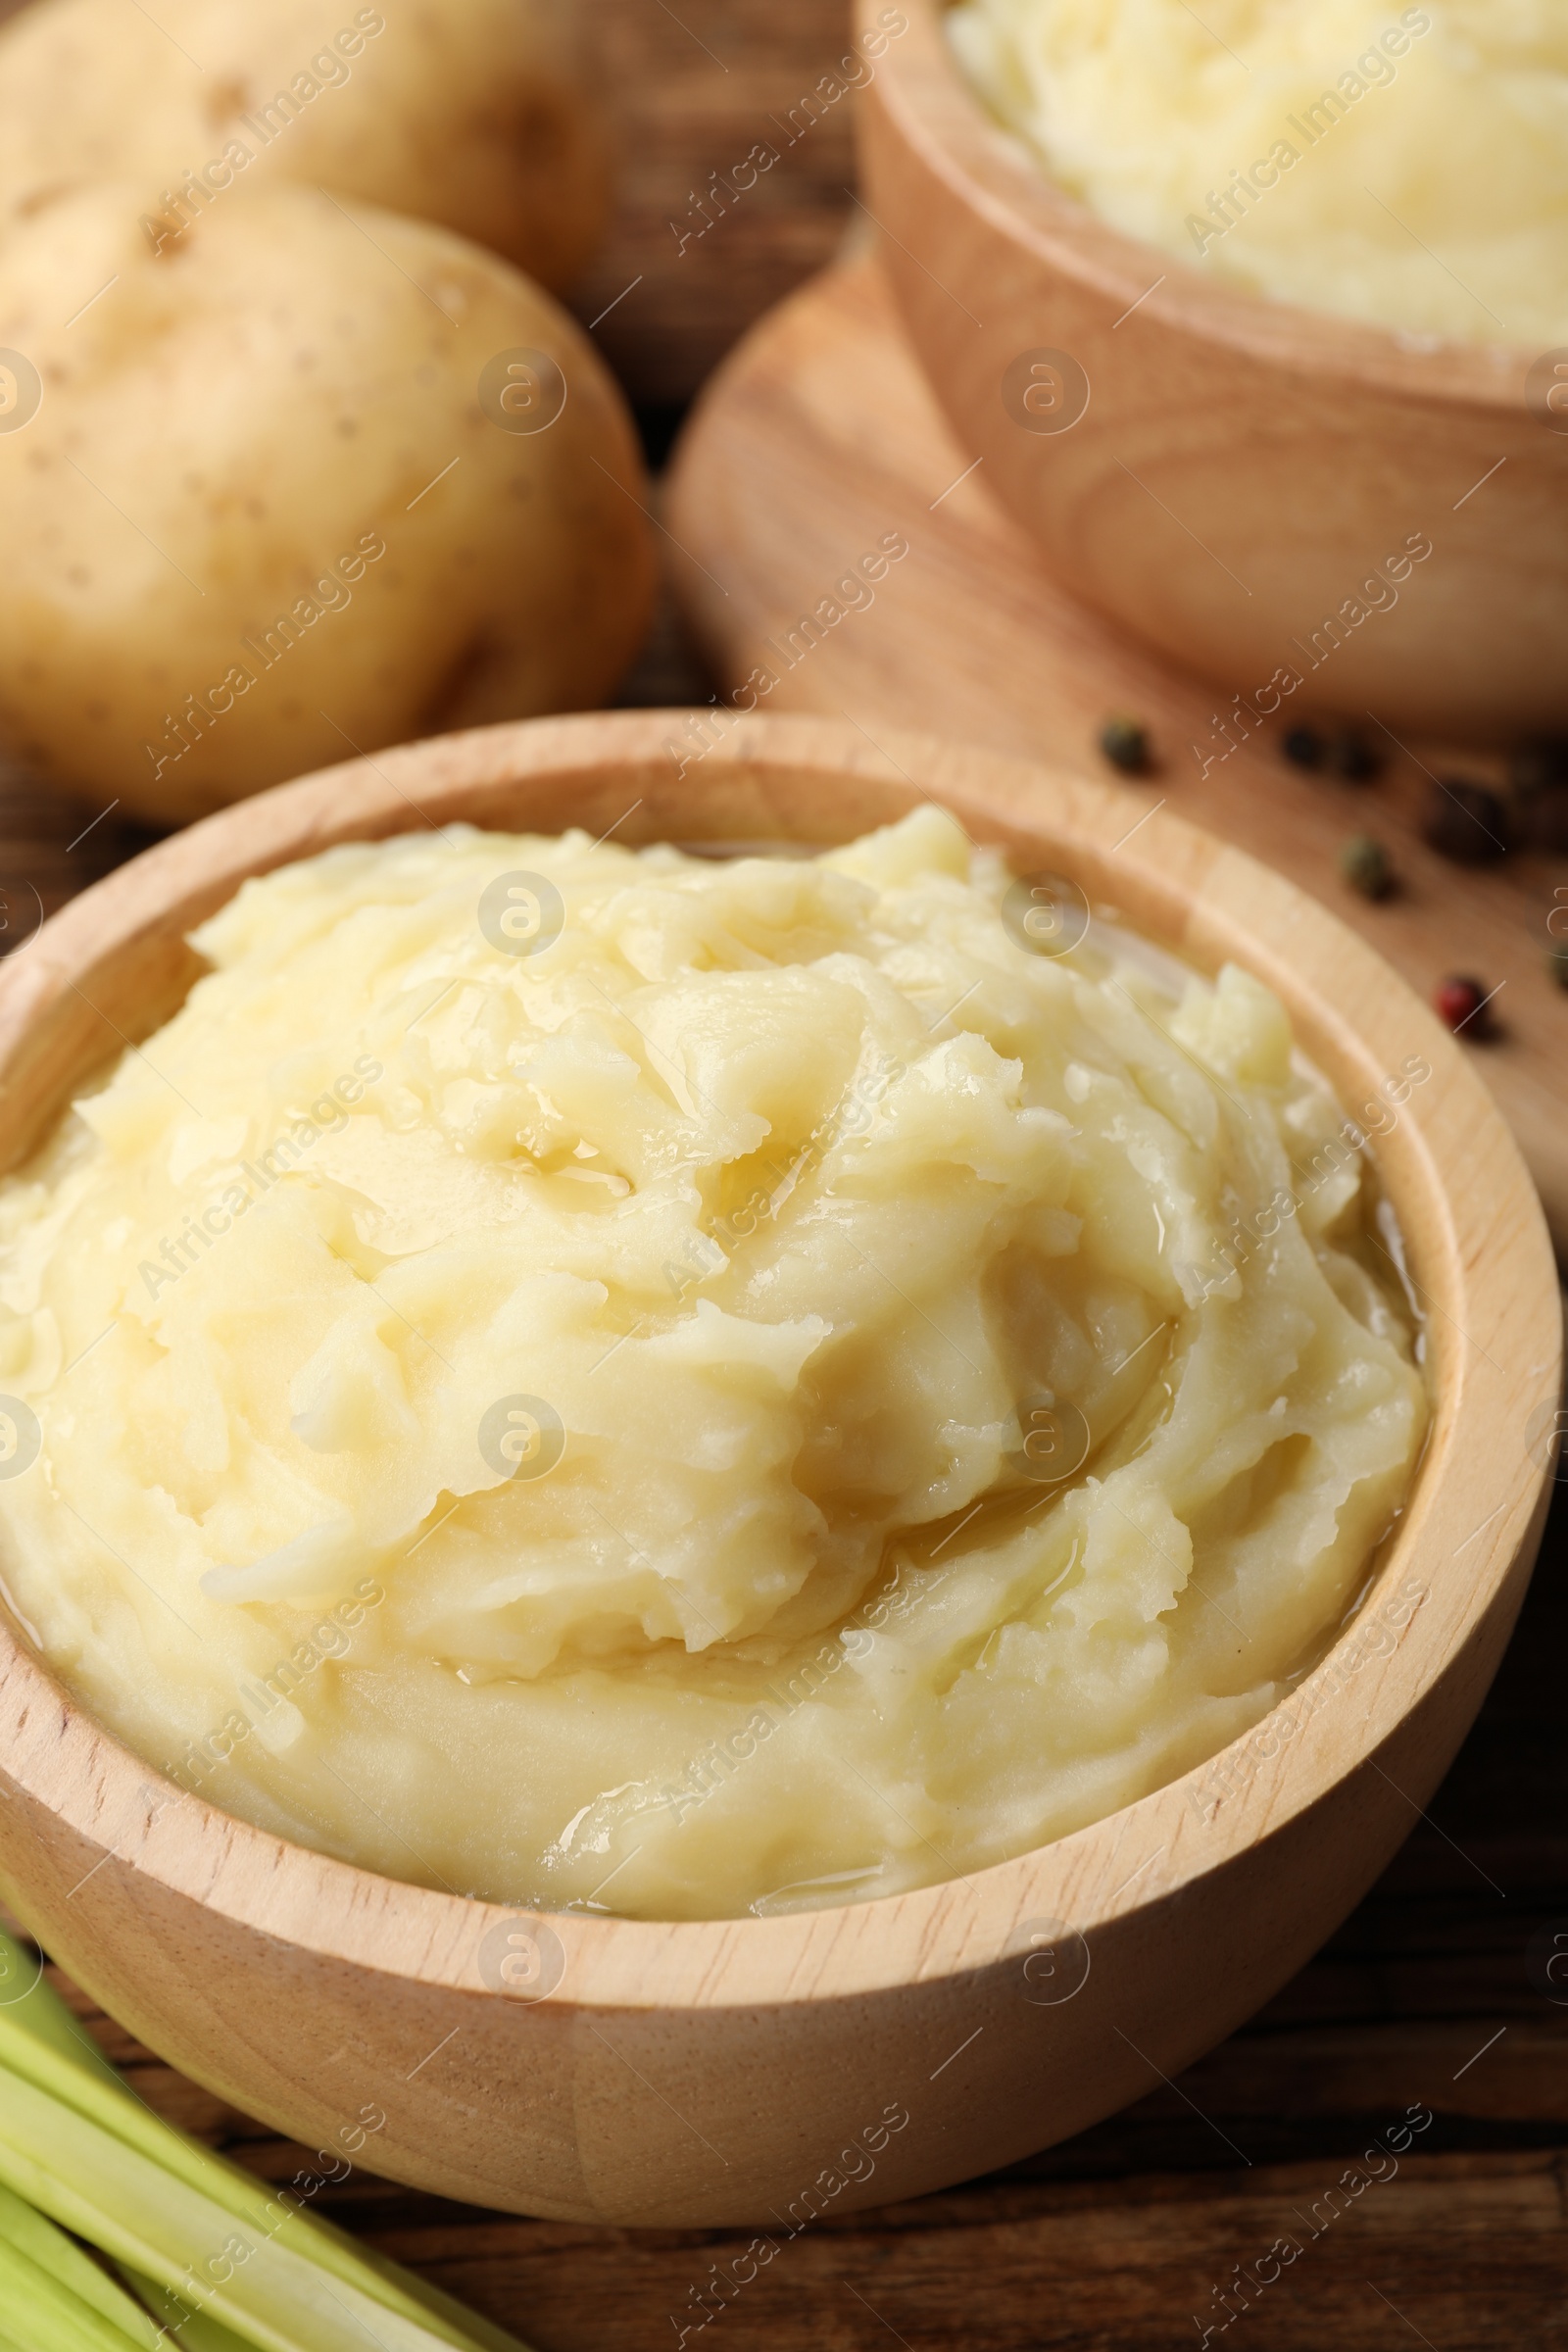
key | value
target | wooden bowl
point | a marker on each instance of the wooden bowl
(1241, 465)
(604, 2069)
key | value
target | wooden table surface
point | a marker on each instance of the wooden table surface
(693, 89)
(1428, 1998)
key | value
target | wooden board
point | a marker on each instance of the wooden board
(819, 436)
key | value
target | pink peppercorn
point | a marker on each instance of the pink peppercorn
(1458, 1002)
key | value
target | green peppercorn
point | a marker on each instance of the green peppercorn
(1124, 742)
(1367, 867)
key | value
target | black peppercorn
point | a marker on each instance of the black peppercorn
(1124, 742)
(1538, 771)
(1541, 766)
(1467, 821)
(1543, 822)
(1367, 867)
(1303, 747)
(1355, 758)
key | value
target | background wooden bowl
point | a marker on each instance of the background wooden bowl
(608, 2070)
(1241, 465)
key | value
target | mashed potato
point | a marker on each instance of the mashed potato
(1404, 165)
(623, 1379)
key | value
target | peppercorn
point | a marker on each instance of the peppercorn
(1303, 747)
(1459, 1002)
(1537, 772)
(1467, 821)
(1540, 766)
(1367, 867)
(1355, 758)
(1124, 742)
(1545, 823)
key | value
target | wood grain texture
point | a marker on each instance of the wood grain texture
(820, 435)
(693, 91)
(1230, 470)
(712, 2070)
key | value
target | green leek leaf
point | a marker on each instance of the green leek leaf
(77, 2144)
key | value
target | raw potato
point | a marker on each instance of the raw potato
(478, 114)
(261, 517)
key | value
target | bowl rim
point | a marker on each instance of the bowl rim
(991, 171)
(1474, 1228)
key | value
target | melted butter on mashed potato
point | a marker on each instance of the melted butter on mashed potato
(827, 1220)
(1407, 167)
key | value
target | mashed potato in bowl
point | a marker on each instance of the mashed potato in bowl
(1407, 167)
(686, 1386)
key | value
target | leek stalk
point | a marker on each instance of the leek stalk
(245, 2266)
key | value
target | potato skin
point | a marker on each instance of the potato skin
(261, 516)
(478, 114)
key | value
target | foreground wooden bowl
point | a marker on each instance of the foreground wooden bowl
(602, 2070)
(1242, 466)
